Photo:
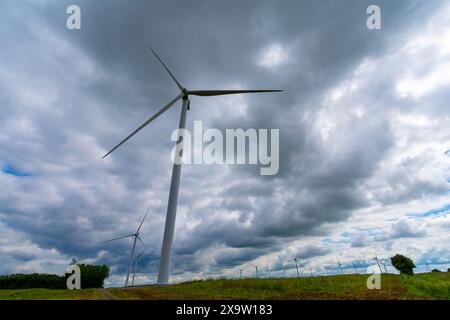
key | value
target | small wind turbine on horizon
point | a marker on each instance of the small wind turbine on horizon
(384, 266)
(256, 270)
(340, 266)
(356, 269)
(169, 228)
(378, 263)
(135, 237)
(297, 262)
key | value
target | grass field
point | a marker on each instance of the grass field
(420, 286)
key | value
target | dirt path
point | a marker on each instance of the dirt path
(106, 295)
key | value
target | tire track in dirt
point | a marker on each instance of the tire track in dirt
(106, 295)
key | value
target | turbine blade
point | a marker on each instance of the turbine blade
(130, 235)
(142, 252)
(143, 220)
(167, 69)
(139, 238)
(156, 115)
(209, 93)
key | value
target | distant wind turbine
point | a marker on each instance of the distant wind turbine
(384, 266)
(340, 266)
(133, 247)
(378, 263)
(169, 228)
(135, 263)
(256, 270)
(356, 269)
(296, 266)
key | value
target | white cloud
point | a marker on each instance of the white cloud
(273, 56)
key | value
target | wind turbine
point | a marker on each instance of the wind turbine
(169, 228)
(133, 247)
(256, 270)
(340, 266)
(378, 263)
(310, 270)
(240, 271)
(296, 266)
(135, 263)
(384, 266)
(356, 269)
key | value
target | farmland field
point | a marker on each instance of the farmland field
(393, 287)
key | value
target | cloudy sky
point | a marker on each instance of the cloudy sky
(363, 134)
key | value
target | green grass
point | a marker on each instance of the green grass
(428, 285)
(393, 287)
(337, 287)
(49, 294)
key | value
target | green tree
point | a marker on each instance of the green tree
(403, 264)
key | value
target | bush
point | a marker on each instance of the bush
(403, 264)
(29, 281)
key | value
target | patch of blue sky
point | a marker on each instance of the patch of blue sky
(332, 241)
(8, 169)
(434, 212)
(369, 231)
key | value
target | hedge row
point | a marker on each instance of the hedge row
(91, 277)
(35, 280)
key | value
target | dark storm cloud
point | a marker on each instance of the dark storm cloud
(99, 83)
(22, 256)
(312, 251)
(236, 258)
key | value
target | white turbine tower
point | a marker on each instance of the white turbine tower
(169, 228)
(133, 247)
